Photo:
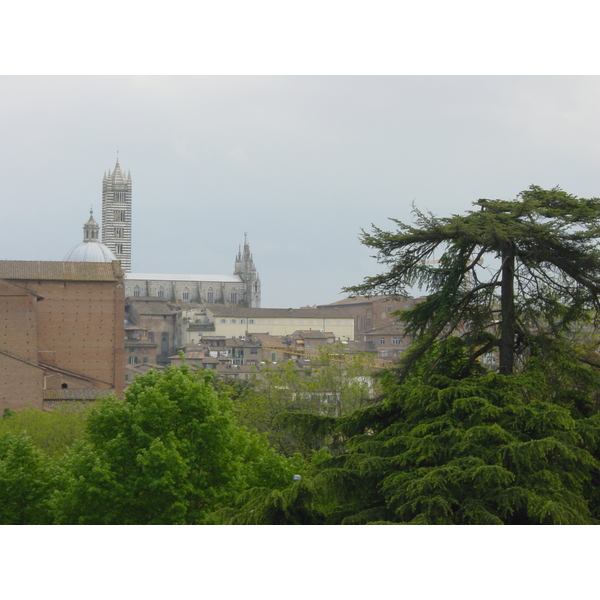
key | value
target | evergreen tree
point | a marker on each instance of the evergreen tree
(450, 449)
(542, 272)
(453, 443)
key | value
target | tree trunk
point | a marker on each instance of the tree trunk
(507, 309)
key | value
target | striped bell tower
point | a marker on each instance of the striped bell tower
(116, 215)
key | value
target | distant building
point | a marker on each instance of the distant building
(242, 288)
(62, 333)
(116, 215)
(391, 341)
(91, 249)
(239, 321)
(371, 312)
(160, 320)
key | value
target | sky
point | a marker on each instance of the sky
(299, 163)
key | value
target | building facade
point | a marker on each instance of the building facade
(239, 321)
(62, 330)
(243, 288)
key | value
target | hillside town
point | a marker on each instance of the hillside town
(86, 327)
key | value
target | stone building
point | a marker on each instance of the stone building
(116, 215)
(242, 288)
(90, 249)
(61, 333)
(239, 321)
(161, 321)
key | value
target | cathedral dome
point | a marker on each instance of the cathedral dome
(91, 249)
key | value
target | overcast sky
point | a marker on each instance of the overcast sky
(299, 163)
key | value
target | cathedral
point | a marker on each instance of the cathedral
(242, 288)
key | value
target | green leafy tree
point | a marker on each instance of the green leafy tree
(542, 272)
(170, 453)
(342, 381)
(27, 481)
(52, 432)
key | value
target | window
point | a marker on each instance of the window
(223, 321)
(233, 321)
(131, 349)
(338, 322)
(119, 216)
(382, 341)
(250, 321)
(253, 350)
(133, 360)
(397, 341)
(118, 248)
(119, 232)
(281, 322)
(164, 343)
(389, 308)
(271, 322)
(137, 291)
(150, 336)
(145, 359)
(234, 297)
(210, 296)
(186, 295)
(242, 320)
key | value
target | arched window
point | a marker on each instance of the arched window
(161, 292)
(137, 291)
(210, 296)
(234, 297)
(186, 295)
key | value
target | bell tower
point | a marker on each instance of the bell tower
(116, 215)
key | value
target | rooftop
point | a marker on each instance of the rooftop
(183, 277)
(59, 270)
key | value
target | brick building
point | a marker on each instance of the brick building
(370, 312)
(61, 328)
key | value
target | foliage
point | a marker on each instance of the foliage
(333, 383)
(170, 453)
(52, 432)
(27, 479)
(542, 272)
(483, 449)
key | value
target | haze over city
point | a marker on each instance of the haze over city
(300, 164)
